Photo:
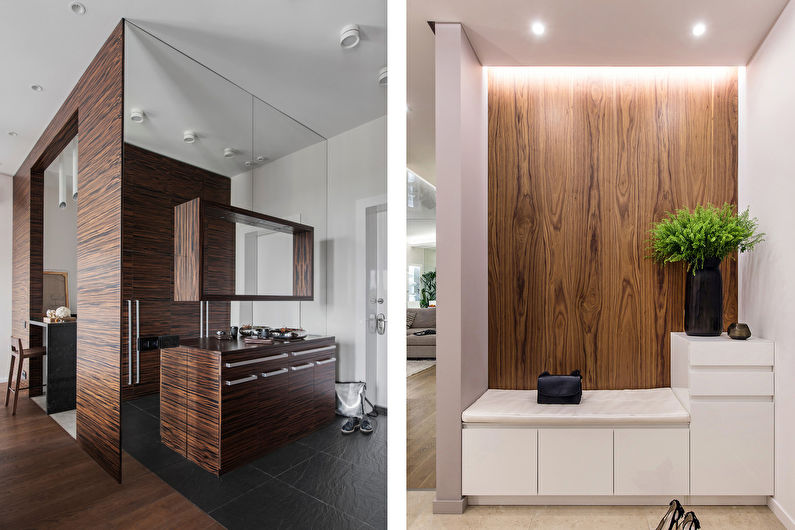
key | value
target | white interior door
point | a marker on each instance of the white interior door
(376, 278)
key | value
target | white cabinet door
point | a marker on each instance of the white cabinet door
(498, 461)
(651, 461)
(575, 461)
(731, 448)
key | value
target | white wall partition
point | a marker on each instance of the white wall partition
(767, 185)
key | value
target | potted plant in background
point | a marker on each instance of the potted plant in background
(427, 288)
(703, 238)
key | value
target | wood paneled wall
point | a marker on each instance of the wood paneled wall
(581, 162)
(93, 111)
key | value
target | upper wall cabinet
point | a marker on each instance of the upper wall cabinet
(276, 261)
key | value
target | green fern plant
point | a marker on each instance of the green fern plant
(706, 232)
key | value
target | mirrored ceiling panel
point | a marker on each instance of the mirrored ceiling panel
(179, 108)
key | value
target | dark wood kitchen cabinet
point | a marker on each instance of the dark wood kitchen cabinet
(153, 184)
(225, 403)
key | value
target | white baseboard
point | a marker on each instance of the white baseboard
(785, 518)
(3, 380)
(612, 500)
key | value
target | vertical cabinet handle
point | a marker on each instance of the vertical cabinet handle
(137, 345)
(129, 342)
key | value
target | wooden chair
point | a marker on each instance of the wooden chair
(19, 354)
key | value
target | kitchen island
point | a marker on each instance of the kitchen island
(224, 402)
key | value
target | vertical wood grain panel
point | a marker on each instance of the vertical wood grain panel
(581, 162)
(93, 112)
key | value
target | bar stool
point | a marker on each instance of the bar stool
(19, 354)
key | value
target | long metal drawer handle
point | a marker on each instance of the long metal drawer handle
(316, 350)
(129, 343)
(137, 342)
(333, 359)
(301, 367)
(252, 377)
(275, 372)
(254, 361)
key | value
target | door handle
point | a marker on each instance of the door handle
(301, 367)
(137, 343)
(380, 323)
(252, 377)
(275, 372)
(129, 342)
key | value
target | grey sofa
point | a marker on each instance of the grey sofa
(424, 346)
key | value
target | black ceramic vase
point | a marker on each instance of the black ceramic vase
(704, 301)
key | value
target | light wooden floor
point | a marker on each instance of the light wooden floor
(421, 430)
(420, 516)
(47, 481)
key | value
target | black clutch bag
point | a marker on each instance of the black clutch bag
(560, 389)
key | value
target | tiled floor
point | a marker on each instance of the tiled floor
(66, 419)
(420, 516)
(324, 480)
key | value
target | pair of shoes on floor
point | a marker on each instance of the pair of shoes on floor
(676, 518)
(364, 425)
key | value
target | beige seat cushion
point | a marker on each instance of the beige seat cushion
(598, 407)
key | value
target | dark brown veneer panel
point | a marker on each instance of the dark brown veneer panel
(580, 164)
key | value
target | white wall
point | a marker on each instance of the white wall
(767, 185)
(60, 235)
(6, 235)
(320, 186)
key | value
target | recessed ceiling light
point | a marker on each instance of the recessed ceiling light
(538, 28)
(261, 158)
(349, 36)
(36, 88)
(77, 8)
(382, 77)
(188, 137)
(137, 115)
(248, 163)
(13, 133)
(229, 152)
(699, 29)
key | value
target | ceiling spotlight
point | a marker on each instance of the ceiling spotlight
(382, 77)
(189, 137)
(36, 88)
(699, 29)
(349, 36)
(13, 133)
(538, 28)
(248, 163)
(229, 152)
(137, 115)
(77, 8)
(261, 158)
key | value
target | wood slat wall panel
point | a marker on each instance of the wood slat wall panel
(580, 164)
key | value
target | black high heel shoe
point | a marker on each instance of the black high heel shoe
(672, 516)
(690, 522)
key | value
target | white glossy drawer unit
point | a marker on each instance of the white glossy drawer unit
(651, 461)
(498, 461)
(575, 461)
(737, 382)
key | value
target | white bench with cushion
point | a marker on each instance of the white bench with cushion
(706, 440)
(616, 442)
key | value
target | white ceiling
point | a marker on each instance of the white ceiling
(578, 33)
(285, 52)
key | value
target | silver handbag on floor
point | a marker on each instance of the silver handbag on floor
(351, 398)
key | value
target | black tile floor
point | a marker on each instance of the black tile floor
(323, 480)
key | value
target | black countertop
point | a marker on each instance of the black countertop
(236, 346)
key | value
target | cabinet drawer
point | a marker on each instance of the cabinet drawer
(731, 448)
(273, 407)
(498, 461)
(231, 370)
(325, 397)
(706, 382)
(651, 461)
(575, 461)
